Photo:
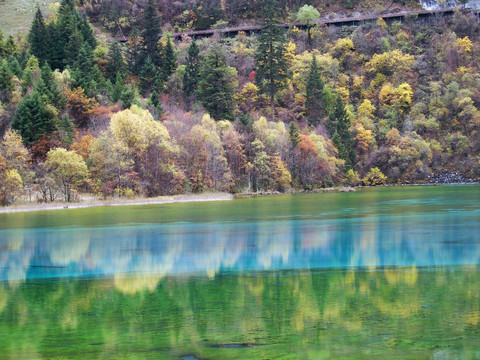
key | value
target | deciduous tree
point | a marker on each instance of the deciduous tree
(68, 168)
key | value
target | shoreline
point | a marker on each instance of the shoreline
(343, 189)
(175, 199)
(206, 197)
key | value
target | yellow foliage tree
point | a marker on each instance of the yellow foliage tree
(136, 129)
(374, 177)
(68, 168)
(465, 44)
(390, 62)
(11, 185)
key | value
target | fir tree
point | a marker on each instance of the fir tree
(129, 96)
(38, 37)
(293, 134)
(2, 45)
(272, 67)
(342, 138)
(6, 81)
(149, 76)
(169, 61)
(157, 105)
(116, 63)
(48, 88)
(117, 87)
(87, 32)
(217, 85)
(32, 119)
(151, 32)
(11, 47)
(56, 51)
(83, 68)
(66, 37)
(14, 66)
(135, 52)
(73, 48)
(314, 99)
(190, 79)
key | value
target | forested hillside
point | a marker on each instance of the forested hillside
(286, 108)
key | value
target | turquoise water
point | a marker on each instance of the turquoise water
(380, 273)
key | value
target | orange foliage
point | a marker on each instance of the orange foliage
(82, 145)
(80, 106)
(43, 145)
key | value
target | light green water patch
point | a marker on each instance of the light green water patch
(394, 313)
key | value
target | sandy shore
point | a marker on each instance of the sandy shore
(117, 202)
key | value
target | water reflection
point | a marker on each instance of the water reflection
(151, 252)
(302, 314)
(364, 276)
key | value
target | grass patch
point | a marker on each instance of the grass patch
(16, 15)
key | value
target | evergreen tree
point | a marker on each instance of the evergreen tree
(11, 47)
(56, 51)
(314, 99)
(6, 81)
(272, 67)
(48, 88)
(169, 61)
(149, 77)
(2, 45)
(151, 32)
(129, 96)
(117, 88)
(293, 134)
(38, 37)
(83, 68)
(217, 85)
(66, 37)
(73, 48)
(190, 79)
(135, 52)
(32, 119)
(116, 63)
(87, 32)
(157, 105)
(342, 138)
(14, 66)
(27, 80)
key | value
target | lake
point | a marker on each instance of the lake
(387, 273)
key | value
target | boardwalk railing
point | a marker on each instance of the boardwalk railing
(334, 21)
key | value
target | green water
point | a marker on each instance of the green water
(391, 273)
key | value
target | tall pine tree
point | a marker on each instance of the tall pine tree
(83, 68)
(272, 68)
(342, 138)
(116, 63)
(149, 77)
(32, 120)
(151, 32)
(314, 98)
(169, 60)
(217, 85)
(48, 88)
(6, 81)
(190, 79)
(38, 37)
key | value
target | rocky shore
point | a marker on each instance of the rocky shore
(449, 178)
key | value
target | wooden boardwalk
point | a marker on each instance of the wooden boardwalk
(334, 21)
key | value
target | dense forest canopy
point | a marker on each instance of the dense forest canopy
(286, 108)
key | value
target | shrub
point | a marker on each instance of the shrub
(374, 177)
